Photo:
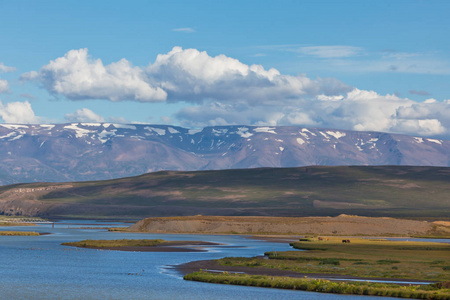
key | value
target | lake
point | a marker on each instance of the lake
(38, 267)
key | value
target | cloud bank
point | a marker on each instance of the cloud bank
(222, 90)
(78, 77)
(18, 112)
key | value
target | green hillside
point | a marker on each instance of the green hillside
(395, 191)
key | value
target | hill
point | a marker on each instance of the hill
(99, 151)
(387, 191)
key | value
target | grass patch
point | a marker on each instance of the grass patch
(19, 233)
(115, 243)
(387, 261)
(329, 261)
(360, 258)
(325, 286)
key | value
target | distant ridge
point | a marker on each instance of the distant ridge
(95, 151)
(382, 191)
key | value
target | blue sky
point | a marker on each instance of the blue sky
(361, 65)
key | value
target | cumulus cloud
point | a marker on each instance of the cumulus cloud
(356, 110)
(77, 76)
(224, 91)
(180, 75)
(18, 112)
(192, 75)
(84, 115)
(4, 86)
(6, 69)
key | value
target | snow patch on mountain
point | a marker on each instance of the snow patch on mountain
(123, 126)
(172, 130)
(435, 141)
(79, 132)
(300, 141)
(243, 132)
(265, 129)
(306, 130)
(336, 134)
(14, 126)
(158, 131)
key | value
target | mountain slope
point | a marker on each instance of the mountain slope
(94, 151)
(395, 191)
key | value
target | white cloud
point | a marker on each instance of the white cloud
(355, 110)
(4, 86)
(227, 91)
(84, 115)
(180, 75)
(330, 51)
(184, 29)
(18, 112)
(191, 75)
(6, 69)
(77, 77)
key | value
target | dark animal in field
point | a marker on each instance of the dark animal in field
(346, 241)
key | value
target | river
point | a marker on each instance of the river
(39, 267)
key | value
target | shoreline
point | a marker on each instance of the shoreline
(212, 266)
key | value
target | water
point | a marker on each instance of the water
(38, 267)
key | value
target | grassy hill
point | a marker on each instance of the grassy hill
(394, 191)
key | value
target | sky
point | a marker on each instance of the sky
(357, 65)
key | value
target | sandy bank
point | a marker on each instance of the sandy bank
(341, 225)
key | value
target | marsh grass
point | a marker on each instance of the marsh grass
(438, 291)
(115, 243)
(19, 233)
(360, 258)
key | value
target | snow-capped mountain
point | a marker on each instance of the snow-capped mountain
(94, 151)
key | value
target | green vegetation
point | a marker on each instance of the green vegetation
(115, 243)
(19, 233)
(360, 258)
(388, 191)
(436, 291)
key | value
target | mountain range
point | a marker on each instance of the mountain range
(97, 151)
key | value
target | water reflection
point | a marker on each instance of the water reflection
(38, 267)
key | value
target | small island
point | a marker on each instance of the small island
(19, 233)
(143, 245)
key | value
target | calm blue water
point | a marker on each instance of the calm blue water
(38, 267)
